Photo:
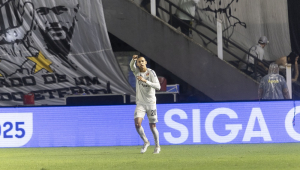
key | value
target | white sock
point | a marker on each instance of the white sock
(142, 134)
(155, 135)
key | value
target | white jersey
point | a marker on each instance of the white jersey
(145, 92)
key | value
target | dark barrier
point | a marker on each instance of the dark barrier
(100, 99)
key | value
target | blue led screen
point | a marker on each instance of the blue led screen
(199, 123)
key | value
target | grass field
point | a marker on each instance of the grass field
(247, 156)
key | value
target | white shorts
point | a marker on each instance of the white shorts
(142, 109)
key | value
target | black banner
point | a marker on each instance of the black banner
(294, 23)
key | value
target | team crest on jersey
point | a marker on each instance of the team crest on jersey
(147, 74)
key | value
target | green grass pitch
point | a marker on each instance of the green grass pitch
(241, 156)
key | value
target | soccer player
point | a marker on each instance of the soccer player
(146, 84)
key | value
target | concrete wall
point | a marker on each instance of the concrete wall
(176, 52)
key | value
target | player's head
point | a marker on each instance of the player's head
(273, 68)
(141, 62)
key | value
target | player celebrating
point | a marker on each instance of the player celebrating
(146, 84)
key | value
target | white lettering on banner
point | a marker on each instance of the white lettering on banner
(256, 113)
(196, 126)
(172, 124)
(234, 128)
(289, 123)
(15, 129)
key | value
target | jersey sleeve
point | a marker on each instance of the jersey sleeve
(154, 83)
(133, 67)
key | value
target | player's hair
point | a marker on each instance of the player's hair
(141, 57)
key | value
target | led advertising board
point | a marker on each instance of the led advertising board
(198, 123)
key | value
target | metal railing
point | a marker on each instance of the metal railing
(257, 70)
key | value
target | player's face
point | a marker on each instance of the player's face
(56, 18)
(141, 62)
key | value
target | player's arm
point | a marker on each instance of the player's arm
(132, 63)
(155, 83)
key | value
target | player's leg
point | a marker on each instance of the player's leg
(138, 118)
(152, 116)
(156, 137)
(139, 128)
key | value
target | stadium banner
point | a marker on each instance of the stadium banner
(179, 124)
(53, 48)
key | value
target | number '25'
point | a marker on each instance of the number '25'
(10, 126)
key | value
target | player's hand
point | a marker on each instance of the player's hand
(140, 78)
(296, 60)
(134, 57)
